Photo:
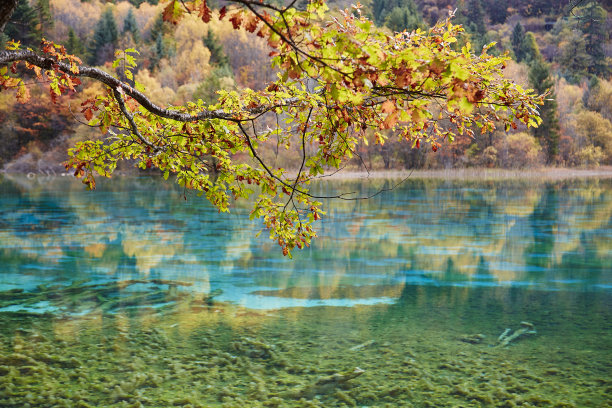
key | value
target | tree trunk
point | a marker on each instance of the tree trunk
(6, 11)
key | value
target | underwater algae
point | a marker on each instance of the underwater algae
(195, 352)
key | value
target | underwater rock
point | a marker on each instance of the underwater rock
(17, 359)
(506, 338)
(472, 338)
(324, 385)
(253, 348)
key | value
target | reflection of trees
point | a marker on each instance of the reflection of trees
(427, 229)
(544, 224)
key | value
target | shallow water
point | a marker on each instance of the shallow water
(133, 295)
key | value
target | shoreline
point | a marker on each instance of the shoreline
(546, 173)
(468, 174)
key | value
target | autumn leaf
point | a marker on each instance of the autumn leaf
(23, 94)
(172, 12)
(236, 20)
(388, 107)
(437, 67)
(390, 120)
(204, 12)
(222, 12)
(251, 24)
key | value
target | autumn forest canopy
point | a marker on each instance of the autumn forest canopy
(254, 100)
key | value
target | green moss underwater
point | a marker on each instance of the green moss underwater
(433, 347)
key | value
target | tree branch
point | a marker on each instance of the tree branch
(48, 63)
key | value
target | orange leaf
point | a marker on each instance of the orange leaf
(390, 120)
(251, 24)
(88, 113)
(388, 107)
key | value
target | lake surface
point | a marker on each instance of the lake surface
(133, 295)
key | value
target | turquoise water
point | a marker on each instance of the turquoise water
(427, 276)
(551, 237)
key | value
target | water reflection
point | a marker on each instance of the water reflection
(550, 236)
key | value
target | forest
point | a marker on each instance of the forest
(561, 46)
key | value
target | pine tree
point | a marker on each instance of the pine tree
(44, 17)
(498, 12)
(159, 51)
(159, 27)
(22, 25)
(475, 16)
(74, 45)
(403, 18)
(518, 42)
(104, 39)
(217, 55)
(593, 25)
(548, 132)
(572, 57)
(130, 26)
(383, 9)
(531, 51)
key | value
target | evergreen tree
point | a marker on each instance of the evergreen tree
(104, 39)
(159, 51)
(44, 17)
(548, 132)
(130, 26)
(74, 45)
(498, 12)
(22, 25)
(593, 25)
(217, 55)
(404, 18)
(518, 42)
(159, 27)
(398, 15)
(531, 51)
(475, 16)
(572, 57)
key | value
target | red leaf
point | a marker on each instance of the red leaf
(205, 13)
(88, 113)
(222, 12)
(236, 20)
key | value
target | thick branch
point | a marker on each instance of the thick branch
(6, 11)
(47, 63)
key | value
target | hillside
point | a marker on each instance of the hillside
(558, 45)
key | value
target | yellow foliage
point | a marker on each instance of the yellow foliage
(597, 131)
(159, 93)
(569, 97)
(191, 64)
(81, 16)
(517, 73)
(601, 99)
(521, 150)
